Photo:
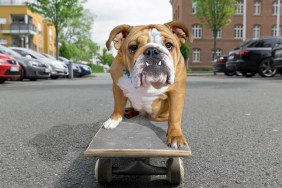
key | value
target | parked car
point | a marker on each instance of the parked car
(253, 56)
(75, 67)
(9, 68)
(85, 70)
(277, 57)
(219, 65)
(58, 69)
(31, 69)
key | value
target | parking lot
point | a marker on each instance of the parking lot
(233, 126)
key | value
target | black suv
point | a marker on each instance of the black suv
(254, 56)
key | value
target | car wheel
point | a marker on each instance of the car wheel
(229, 73)
(2, 81)
(248, 74)
(22, 73)
(266, 69)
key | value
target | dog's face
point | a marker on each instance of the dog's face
(150, 52)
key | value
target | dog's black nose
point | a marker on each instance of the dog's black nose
(151, 52)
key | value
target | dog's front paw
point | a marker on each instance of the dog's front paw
(111, 124)
(176, 139)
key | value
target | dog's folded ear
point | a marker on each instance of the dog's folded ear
(117, 35)
(180, 30)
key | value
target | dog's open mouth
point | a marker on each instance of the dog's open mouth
(155, 74)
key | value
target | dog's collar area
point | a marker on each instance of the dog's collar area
(126, 72)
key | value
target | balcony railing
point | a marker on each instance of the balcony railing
(15, 2)
(20, 28)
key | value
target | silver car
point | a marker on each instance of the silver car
(58, 68)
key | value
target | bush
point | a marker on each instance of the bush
(96, 68)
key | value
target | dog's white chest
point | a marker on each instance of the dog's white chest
(140, 98)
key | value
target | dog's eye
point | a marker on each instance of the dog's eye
(133, 48)
(169, 45)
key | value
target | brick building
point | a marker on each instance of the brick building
(261, 21)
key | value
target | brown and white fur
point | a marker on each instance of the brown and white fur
(155, 78)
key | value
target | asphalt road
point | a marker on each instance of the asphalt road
(233, 126)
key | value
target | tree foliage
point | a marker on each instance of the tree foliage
(106, 58)
(77, 28)
(77, 37)
(184, 51)
(215, 14)
(58, 12)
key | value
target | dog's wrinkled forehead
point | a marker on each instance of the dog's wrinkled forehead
(155, 36)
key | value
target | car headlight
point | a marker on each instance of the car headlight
(1, 61)
(278, 53)
(33, 63)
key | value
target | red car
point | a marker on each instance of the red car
(9, 68)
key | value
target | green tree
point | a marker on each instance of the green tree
(58, 12)
(79, 27)
(215, 14)
(185, 52)
(77, 35)
(106, 58)
(64, 51)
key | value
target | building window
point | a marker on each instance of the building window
(257, 7)
(238, 31)
(3, 41)
(196, 56)
(239, 7)
(275, 8)
(39, 28)
(256, 31)
(219, 34)
(50, 35)
(274, 31)
(197, 31)
(194, 6)
(218, 53)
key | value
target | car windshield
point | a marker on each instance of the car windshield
(7, 51)
(246, 43)
(25, 52)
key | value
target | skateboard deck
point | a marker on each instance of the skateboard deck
(135, 137)
(141, 140)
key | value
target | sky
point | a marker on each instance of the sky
(111, 13)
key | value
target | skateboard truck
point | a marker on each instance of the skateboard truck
(174, 170)
(139, 167)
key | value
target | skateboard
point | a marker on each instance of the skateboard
(139, 139)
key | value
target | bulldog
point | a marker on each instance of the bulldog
(150, 72)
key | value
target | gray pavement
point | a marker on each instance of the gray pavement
(233, 126)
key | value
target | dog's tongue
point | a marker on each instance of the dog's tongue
(155, 77)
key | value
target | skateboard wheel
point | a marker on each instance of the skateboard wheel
(174, 170)
(103, 170)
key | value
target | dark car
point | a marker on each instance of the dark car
(277, 58)
(254, 56)
(219, 65)
(85, 70)
(32, 69)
